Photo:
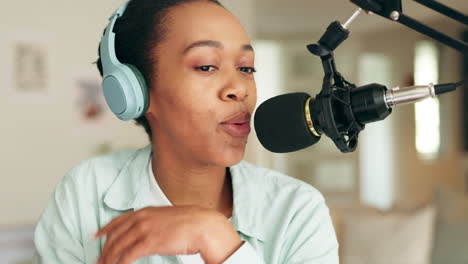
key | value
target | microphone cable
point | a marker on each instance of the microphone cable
(448, 87)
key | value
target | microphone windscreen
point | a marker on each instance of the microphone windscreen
(281, 124)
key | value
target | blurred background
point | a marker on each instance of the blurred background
(401, 197)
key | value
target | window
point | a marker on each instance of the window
(378, 187)
(427, 114)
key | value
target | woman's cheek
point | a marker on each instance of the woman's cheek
(252, 97)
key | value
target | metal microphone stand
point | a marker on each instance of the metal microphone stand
(336, 116)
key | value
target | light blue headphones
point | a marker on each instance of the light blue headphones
(124, 87)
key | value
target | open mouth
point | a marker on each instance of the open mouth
(237, 129)
(238, 125)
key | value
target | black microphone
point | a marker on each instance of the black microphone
(281, 125)
(295, 121)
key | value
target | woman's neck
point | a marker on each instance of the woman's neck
(186, 183)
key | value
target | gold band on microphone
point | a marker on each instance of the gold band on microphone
(309, 118)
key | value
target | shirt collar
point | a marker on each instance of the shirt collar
(131, 190)
(125, 191)
(246, 214)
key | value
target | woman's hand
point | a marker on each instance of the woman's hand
(175, 230)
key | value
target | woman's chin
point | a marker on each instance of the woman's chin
(223, 154)
(235, 162)
(232, 157)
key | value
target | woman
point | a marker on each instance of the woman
(187, 196)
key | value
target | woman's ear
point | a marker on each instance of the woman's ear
(151, 108)
(150, 119)
(150, 112)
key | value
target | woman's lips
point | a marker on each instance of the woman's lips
(237, 125)
(237, 129)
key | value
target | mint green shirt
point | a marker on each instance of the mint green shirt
(280, 219)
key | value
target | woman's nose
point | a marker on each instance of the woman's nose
(235, 90)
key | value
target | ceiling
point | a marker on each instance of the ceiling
(296, 17)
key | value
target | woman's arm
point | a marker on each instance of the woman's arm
(175, 230)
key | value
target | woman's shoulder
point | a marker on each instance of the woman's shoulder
(102, 169)
(273, 204)
(268, 182)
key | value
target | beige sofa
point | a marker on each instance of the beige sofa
(434, 233)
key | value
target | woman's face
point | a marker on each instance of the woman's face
(204, 91)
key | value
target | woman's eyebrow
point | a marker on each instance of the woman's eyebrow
(214, 44)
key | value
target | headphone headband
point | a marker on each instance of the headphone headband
(107, 47)
(119, 12)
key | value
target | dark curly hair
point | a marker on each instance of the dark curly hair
(138, 32)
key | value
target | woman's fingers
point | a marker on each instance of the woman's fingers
(116, 241)
(138, 232)
(115, 236)
(122, 234)
(137, 250)
(115, 222)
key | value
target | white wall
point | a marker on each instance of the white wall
(39, 138)
(39, 141)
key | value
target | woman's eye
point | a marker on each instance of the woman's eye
(206, 68)
(247, 69)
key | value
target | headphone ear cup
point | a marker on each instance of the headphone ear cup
(114, 94)
(143, 86)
